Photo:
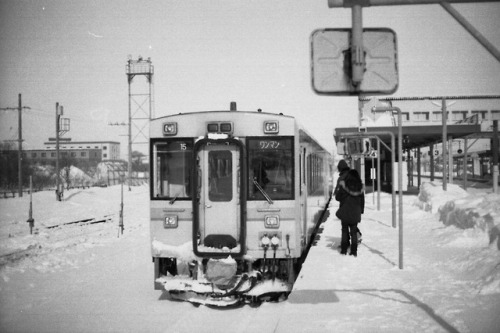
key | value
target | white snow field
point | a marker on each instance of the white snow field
(90, 278)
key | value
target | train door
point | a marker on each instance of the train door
(219, 219)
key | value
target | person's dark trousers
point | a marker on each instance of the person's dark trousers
(353, 230)
(344, 243)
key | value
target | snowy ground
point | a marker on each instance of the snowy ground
(84, 278)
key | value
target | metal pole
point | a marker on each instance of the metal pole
(494, 148)
(366, 3)
(31, 220)
(393, 163)
(400, 178)
(400, 186)
(473, 31)
(419, 169)
(372, 175)
(450, 160)
(129, 167)
(120, 225)
(20, 148)
(357, 51)
(465, 163)
(58, 197)
(378, 174)
(444, 138)
(409, 167)
(431, 161)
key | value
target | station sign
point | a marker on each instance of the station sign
(331, 62)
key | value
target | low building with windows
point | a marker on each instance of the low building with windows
(44, 156)
(88, 153)
(110, 150)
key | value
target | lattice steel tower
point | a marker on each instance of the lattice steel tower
(141, 100)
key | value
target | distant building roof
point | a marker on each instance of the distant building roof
(431, 98)
(53, 141)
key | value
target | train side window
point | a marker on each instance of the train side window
(315, 175)
(270, 164)
(172, 169)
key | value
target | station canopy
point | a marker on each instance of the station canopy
(414, 136)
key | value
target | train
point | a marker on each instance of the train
(235, 197)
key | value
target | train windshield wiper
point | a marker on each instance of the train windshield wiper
(173, 200)
(268, 198)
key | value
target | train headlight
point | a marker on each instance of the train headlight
(272, 221)
(275, 241)
(169, 128)
(271, 127)
(171, 221)
(265, 241)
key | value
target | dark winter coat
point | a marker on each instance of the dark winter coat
(351, 204)
(343, 169)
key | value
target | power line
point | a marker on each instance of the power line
(20, 108)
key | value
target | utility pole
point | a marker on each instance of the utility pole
(59, 132)
(20, 147)
(19, 109)
(58, 117)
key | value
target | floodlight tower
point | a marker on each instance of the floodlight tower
(139, 118)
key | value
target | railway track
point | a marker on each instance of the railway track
(59, 238)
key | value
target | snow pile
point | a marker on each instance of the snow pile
(76, 176)
(465, 211)
(432, 196)
(473, 211)
(182, 252)
(478, 215)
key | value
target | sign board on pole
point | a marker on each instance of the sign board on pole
(331, 61)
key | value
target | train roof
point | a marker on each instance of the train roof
(304, 133)
(225, 111)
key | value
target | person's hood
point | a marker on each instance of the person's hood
(342, 166)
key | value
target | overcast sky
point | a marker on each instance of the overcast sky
(208, 53)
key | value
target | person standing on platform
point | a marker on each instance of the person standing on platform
(343, 168)
(351, 198)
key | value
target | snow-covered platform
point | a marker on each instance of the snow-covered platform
(97, 281)
(440, 287)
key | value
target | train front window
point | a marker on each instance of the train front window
(172, 169)
(270, 164)
(220, 176)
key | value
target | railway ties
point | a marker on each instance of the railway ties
(93, 220)
(61, 233)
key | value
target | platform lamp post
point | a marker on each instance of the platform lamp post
(400, 175)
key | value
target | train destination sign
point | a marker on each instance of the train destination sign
(271, 144)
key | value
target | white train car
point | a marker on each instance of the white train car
(235, 197)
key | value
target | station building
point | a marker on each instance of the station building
(92, 152)
(468, 126)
